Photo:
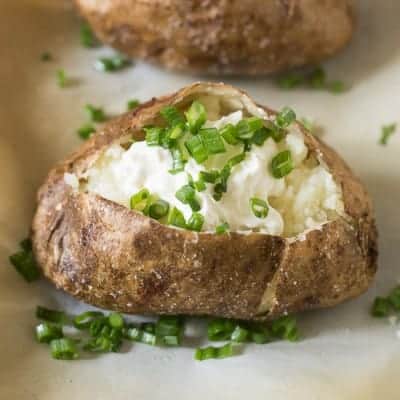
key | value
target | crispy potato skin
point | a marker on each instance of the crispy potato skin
(119, 259)
(223, 36)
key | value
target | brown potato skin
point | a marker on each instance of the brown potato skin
(119, 259)
(246, 37)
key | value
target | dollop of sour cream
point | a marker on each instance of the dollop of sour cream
(120, 173)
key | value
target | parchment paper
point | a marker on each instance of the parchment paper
(345, 354)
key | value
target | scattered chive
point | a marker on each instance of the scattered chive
(236, 160)
(24, 262)
(381, 307)
(63, 349)
(214, 352)
(62, 80)
(212, 141)
(85, 131)
(196, 148)
(176, 218)
(172, 115)
(259, 207)
(132, 104)
(386, 132)
(185, 194)
(281, 164)
(84, 320)
(153, 135)
(246, 128)
(285, 117)
(111, 64)
(46, 314)
(260, 136)
(228, 132)
(195, 222)
(317, 78)
(290, 81)
(200, 185)
(168, 330)
(336, 87)
(209, 176)
(140, 200)
(46, 332)
(285, 328)
(178, 161)
(240, 334)
(158, 209)
(196, 116)
(46, 56)
(223, 228)
(115, 320)
(87, 37)
(220, 329)
(95, 114)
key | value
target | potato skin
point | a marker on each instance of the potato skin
(119, 259)
(249, 37)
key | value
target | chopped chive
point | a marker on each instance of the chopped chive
(84, 320)
(282, 164)
(153, 135)
(260, 335)
(223, 228)
(214, 352)
(85, 131)
(63, 349)
(172, 115)
(212, 141)
(46, 56)
(132, 104)
(285, 328)
(46, 332)
(246, 128)
(386, 132)
(317, 78)
(240, 334)
(221, 184)
(87, 37)
(46, 314)
(196, 148)
(176, 132)
(176, 218)
(209, 176)
(259, 207)
(103, 344)
(290, 81)
(178, 160)
(228, 132)
(220, 329)
(196, 116)
(236, 160)
(62, 79)
(336, 87)
(115, 320)
(140, 200)
(95, 114)
(111, 64)
(200, 185)
(185, 194)
(158, 209)
(195, 222)
(168, 330)
(260, 136)
(24, 262)
(285, 117)
(381, 307)
(97, 325)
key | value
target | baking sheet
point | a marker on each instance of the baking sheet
(345, 354)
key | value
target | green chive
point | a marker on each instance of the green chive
(223, 228)
(236, 160)
(46, 332)
(63, 349)
(200, 185)
(62, 80)
(260, 136)
(285, 328)
(115, 320)
(176, 218)
(214, 352)
(26, 244)
(97, 325)
(111, 64)
(209, 176)
(259, 207)
(87, 37)
(178, 160)
(172, 115)
(158, 209)
(260, 335)
(240, 334)
(317, 78)
(381, 307)
(197, 149)
(221, 184)
(176, 132)
(336, 87)
(196, 116)
(24, 262)
(196, 222)
(246, 128)
(46, 56)
(132, 332)
(168, 330)
(228, 132)
(290, 81)
(386, 132)
(307, 124)
(132, 104)
(50, 315)
(95, 114)
(153, 135)
(140, 200)
(86, 131)
(84, 320)
(394, 298)
(212, 141)
(220, 329)
(185, 194)
(145, 334)
(285, 117)
(282, 164)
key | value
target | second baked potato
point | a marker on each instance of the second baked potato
(223, 36)
(203, 202)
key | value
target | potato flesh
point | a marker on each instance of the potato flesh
(303, 200)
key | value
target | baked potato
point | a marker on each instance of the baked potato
(205, 203)
(223, 36)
